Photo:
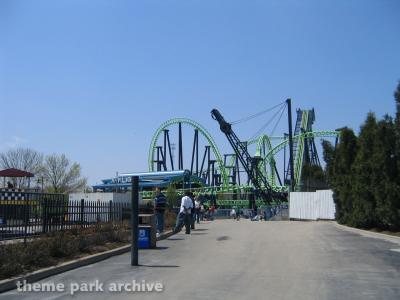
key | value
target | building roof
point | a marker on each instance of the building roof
(12, 172)
(148, 180)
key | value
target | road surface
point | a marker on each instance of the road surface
(226, 259)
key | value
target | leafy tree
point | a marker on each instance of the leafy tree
(397, 99)
(341, 174)
(313, 178)
(385, 176)
(364, 173)
(61, 175)
(328, 151)
(397, 121)
(364, 202)
(172, 196)
(23, 159)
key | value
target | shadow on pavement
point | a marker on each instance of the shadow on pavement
(159, 266)
(158, 248)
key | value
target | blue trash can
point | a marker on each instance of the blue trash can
(144, 237)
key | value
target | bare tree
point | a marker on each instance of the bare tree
(61, 176)
(23, 159)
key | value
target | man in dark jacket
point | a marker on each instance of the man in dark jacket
(160, 204)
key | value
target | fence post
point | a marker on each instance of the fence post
(26, 215)
(63, 204)
(82, 212)
(110, 217)
(44, 214)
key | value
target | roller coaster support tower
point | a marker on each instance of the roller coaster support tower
(291, 159)
(250, 164)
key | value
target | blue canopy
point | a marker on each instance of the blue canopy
(148, 180)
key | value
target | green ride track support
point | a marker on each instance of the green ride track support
(261, 142)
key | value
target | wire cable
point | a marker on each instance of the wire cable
(258, 132)
(257, 114)
(277, 122)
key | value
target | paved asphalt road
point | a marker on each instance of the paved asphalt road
(251, 260)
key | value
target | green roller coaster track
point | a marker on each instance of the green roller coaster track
(300, 149)
(301, 137)
(202, 130)
(261, 142)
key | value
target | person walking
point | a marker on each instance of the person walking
(255, 211)
(160, 204)
(197, 209)
(202, 211)
(238, 213)
(233, 213)
(193, 214)
(211, 211)
(185, 211)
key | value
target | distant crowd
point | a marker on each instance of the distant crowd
(192, 210)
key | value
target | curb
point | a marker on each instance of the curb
(370, 234)
(10, 284)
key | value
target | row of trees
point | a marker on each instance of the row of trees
(55, 172)
(364, 173)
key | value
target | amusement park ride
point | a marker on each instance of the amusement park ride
(249, 163)
(240, 170)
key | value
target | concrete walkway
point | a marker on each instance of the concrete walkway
(251, 260)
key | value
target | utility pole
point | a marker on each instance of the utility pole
(291, 162)
(135, 221)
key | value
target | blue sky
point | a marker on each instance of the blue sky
(94, 79)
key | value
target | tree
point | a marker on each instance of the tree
(397, 128)
(328, 151)
(364, 169)
(397, 99)
(172, 196)
(23, 159)
(61, 176)
(313, 178)
(385, 176)
(364, 173)
(341, 174)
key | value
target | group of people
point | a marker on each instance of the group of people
(254, 214)
(191, 210)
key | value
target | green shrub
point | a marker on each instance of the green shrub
(10, 260)
(17, 258)
(64, 244)
(38, 253)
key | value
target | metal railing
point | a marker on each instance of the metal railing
(24, 214)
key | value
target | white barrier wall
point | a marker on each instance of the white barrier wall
(103, 197)
(99, 200)
(312, 205)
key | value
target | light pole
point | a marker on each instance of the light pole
(135, 220)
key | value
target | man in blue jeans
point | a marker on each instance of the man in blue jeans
(160, 204)
(185, 212)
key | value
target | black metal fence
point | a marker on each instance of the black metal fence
(24, 214)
